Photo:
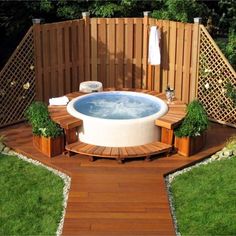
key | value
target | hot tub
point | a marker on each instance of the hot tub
(118, 119)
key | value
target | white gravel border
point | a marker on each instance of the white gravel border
(169, 178)
(64, 177)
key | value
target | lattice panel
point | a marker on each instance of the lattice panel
(17, 82)
(214, 73)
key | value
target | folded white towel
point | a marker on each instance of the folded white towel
(59, 101)
(154, 55)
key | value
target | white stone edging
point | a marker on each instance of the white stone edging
(64, 177)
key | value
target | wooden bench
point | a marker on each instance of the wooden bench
(69, 123)
(168, 122)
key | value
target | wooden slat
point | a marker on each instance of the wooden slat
(164, 52)
(87, 44)
(138, 55)
(81, 50)
(179, 61)
(172, 54)
(46, 75)
(38, 62)
(129, 34)
(74, 56)
(60, 36)
(102, 49)
(67, 54)
(94, 49)
(111, 45)
(120, 53)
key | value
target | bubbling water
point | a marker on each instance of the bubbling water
(116, 106)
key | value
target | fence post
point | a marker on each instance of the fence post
(195, 59)
(38, 59)
(145, 83)
(87, 42)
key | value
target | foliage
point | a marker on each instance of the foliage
(180, 10)
(228, 47)
(195, 121)
(204, 199)
(38, 116)
(51, 129)
(2, 138)
(31, 198)
(231, 142)
(231, 92)
(228, 15)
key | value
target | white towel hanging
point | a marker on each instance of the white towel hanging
(154, 55)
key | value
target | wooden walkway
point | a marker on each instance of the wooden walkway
(108, 199)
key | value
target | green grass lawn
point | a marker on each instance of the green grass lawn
(30, 198)
(205, 199)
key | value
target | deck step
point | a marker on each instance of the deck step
(146, 150)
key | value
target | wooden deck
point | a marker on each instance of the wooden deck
(107, 199)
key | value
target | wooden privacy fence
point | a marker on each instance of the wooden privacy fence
(215, 73)
(52, 60)
(114, 51)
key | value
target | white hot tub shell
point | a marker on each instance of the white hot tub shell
(119, 133)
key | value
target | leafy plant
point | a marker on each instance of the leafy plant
(180, 10)
(51, 129)
(231, 92)
(195, 122)
(231, 142)
(38, 116)
(2, 138)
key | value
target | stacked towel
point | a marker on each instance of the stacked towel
(59, 101)
(154, 55)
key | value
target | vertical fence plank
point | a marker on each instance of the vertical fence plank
(38, 62)
(46, 74)
(172, 54)
(194, 62)
(87, 41)
(60, 33)
(67, 53)
(53, 61)
(179, 60)
(94, 48)
(157, 68)
(129, 34)
(81, 50)
(111, 51)
(138, 49)
(165, 53)
(145, 51)
(74, 56)
(102, 48)
(120, 53)
(187, 61)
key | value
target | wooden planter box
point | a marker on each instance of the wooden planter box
(49, 146)
(188, 146)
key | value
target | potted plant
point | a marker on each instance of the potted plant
(190, 136)
(47, 135)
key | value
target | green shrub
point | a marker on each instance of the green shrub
(195, 122)
(231, 143)
(51, 129)
(38, 116)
